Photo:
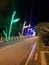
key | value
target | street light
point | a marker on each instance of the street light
(24, 27)
(12, 21)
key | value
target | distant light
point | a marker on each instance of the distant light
(32, 32)
(29, 25)
(12, 21)
(24, 26)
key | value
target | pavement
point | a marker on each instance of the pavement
(18, 53)
(4, 43)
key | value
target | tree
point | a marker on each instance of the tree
(2, 20)
(43, 32)
(10, 28)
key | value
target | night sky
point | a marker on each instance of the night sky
(33, 11)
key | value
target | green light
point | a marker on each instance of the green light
(12, 21)
(16, 20)
(5, 34)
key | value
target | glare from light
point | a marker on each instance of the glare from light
(5, 34)
(12, 21)
(24, 27)
(33, 32)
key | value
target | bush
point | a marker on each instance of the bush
(43, 32)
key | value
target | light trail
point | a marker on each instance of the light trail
(32, 53)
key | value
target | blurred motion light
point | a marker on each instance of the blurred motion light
(32, 32)
(12, 21)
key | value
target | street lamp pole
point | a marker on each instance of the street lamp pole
(12, 21)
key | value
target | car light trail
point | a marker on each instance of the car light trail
(32, 53)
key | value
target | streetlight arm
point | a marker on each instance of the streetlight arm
(16, 20)
(13, 16)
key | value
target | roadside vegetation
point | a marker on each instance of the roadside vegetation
(43, 32)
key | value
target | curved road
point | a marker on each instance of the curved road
(18, 53)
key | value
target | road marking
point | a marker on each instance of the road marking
(32, 53)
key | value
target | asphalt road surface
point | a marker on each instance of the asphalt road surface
(19, 53)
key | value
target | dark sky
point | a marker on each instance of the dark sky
(33, 11)
(38, 10)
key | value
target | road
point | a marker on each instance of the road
(18, 53)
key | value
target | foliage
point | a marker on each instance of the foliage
(5, 24)
(43, 32)
(1, 25)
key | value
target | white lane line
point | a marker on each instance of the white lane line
(32, 53)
